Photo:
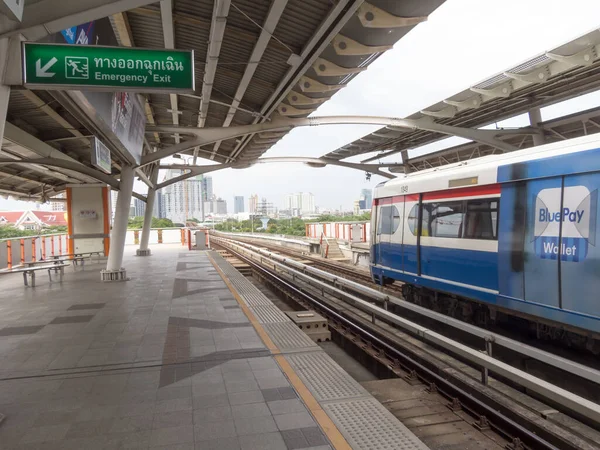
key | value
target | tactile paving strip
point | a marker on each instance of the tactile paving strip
(365, 423)
(324, 378)
(287, 336)
(269, 314)
(249, 293)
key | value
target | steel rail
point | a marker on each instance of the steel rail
(538, 439)
(573, 402)
(548, 358)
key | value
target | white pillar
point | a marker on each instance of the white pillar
(144, 250)
(4, 90)
(114, 271)
(535, 118)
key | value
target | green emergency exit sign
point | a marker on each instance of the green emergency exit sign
(92, 67)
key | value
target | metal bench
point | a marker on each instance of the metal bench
(76, 257)
(58, 268)
(57, 260)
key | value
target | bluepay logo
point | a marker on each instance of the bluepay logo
(565, 230)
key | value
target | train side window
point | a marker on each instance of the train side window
(385, 220)
(395, 219)
(444, 219)
(481, 219)
(389, 220)
(413, 217)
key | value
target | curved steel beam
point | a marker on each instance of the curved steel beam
(210, 135)
(322, 162)
(193, 171)
(70, 165)
(74, 166)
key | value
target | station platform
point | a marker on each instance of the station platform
(188, 354)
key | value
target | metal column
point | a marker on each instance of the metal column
(144, 250)
(535, 118)
(4, 90)
(114, 271)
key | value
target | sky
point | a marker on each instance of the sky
(463, 42)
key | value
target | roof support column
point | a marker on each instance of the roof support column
(404, 154)
(114, 271)
(150, 199)
(4, 90)
(535, 118)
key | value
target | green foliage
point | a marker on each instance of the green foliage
(137, 223)
(8, 231)
(288, 227)
(366, 217)
(55, 229)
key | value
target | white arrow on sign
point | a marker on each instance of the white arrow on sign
(42, 71)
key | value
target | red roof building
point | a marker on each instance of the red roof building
(33, 220)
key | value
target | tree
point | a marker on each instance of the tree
(8, 231)
(136, 223)
(55, 229)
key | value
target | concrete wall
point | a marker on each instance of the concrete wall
(345, 231)
(87, 216)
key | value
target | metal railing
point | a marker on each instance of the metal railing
(15, 251)
(333, 284)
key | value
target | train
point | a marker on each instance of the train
(510, 237)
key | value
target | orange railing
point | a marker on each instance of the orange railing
(15, 251)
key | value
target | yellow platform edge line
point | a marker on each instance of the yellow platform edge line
(329, 428)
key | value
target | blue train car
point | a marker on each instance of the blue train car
(516, 233)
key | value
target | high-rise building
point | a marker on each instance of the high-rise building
(183, 200)
(264, 208)
(300, 202)
(238, 204)
(139, 207)
(253, 204)
(157, 210)
(366, 199)
(218, 206)
(58, 205)
(207, 189)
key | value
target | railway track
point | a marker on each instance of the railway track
(349, 272)
(499, 411)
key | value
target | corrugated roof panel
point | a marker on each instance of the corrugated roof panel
(257, 94)
(300, 20)
(192, 37)
(273, 65)
(255, 10)
(199, 8)
(146, 30)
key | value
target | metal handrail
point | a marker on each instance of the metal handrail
(572, 401)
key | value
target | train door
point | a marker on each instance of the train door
(578, 249)
(396, 252)
(374, 243)
(542, 241)
(410, 230)
(384, 220)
